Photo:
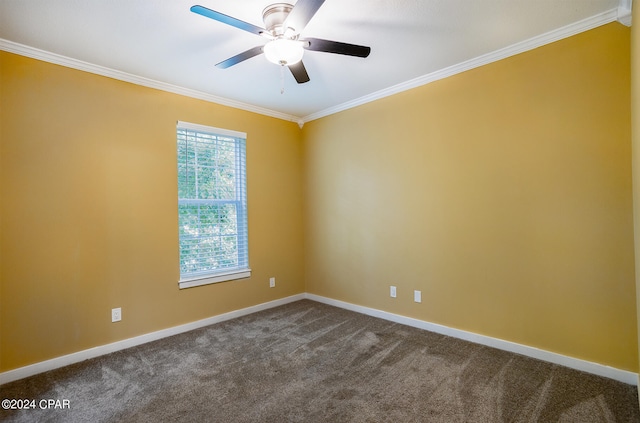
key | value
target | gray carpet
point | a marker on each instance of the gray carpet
(309, 362)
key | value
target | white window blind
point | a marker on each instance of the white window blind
(212, 205)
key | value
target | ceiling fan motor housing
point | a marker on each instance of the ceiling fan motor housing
(274, 17)
(283, 24)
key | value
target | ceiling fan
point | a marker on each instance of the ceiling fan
(284, 23)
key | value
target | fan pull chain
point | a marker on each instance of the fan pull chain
(281, 79)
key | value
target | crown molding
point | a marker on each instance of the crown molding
(512, 50)
(621, 14)
(624, 12)
(34, 53)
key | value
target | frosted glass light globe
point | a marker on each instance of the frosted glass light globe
(284, 52)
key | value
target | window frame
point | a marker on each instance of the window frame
(241, 272)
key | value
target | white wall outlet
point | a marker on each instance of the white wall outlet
(116, 314)
(392, 291)
(272, 282)
(417, 296)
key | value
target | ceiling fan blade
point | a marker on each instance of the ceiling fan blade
(317, 44)
(221, 17)
(299, 72)
(302, 13)
(240, 57)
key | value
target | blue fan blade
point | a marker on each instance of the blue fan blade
(221, 17)
(240, 57)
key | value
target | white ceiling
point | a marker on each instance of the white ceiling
(161, 43)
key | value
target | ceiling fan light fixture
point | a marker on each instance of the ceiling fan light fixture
(284, 52)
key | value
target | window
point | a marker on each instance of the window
(212, 205)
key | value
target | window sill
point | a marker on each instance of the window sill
(209, 279)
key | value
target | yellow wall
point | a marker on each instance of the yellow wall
(503, 194)
(635, 129)
(89, 210)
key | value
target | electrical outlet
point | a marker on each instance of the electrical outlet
(116, 314)
(392, 291)
(417, 296)
(272, 282)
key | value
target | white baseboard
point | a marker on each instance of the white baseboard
(624, 376)
(79, 356)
